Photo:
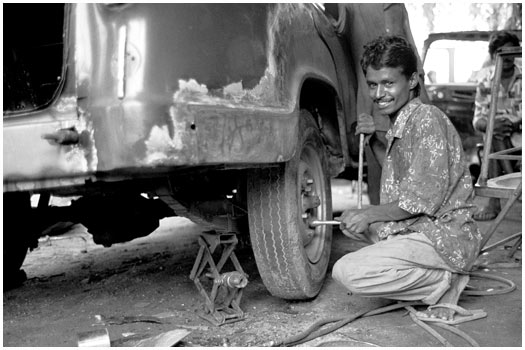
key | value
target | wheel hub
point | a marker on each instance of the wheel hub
(313, 206)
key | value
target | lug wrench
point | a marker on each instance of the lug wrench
(315, 223)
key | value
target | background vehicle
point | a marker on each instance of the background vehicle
(232, 115)
(451, 61)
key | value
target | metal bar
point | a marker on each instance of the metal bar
(505, 151)
(491, 192)
(515, 246)
(196, 265)
(489, 131)
(228, 250)
(326, 222)
(360, 171)
(501, 215)
(509, 157)
(121, 62)
(504, 240)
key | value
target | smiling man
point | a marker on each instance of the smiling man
(426, 239)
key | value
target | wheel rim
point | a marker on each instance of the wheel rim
(313, 200)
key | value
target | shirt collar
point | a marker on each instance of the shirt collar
(404, 115)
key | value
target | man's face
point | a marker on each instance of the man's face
(389, 89)
(508, 63)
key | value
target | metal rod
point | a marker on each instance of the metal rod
(315, 223)
(360, 171)
(490, 231)
(324, 222)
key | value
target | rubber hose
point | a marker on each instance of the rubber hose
(510, 288)
(314, 330)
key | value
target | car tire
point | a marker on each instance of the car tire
(17, 233)
(292, 257)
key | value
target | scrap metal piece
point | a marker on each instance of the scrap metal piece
(94, 338)
(118, 320)
(222, 305)
(166, 339)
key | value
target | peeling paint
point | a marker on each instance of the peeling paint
(232, 95)
(160, 144)
(66, 104)
(86, 130)
(190, 91)
(161, 147)
(268, 93)
(74, 160)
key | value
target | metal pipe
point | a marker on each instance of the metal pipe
(360, 171)
(315, 223)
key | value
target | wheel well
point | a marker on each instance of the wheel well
(322, 101)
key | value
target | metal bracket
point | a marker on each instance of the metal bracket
(222, 305)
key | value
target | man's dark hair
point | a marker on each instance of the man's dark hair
(498, 39)
(392, 52)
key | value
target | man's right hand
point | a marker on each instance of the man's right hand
(365, 124)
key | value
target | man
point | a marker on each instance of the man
(428, 240)
(507, 125)
(363, 23)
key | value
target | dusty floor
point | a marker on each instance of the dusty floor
(72, 280)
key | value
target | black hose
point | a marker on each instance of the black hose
(510, 288)
(315, 331)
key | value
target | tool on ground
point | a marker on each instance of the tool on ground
(94, 338)
(166, 339)
(222, 305)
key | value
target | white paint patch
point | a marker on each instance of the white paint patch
(86, 124)
(190, 89)
(66, 104)
(159, 144)
(74, 161)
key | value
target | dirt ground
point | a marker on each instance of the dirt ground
(76, 286)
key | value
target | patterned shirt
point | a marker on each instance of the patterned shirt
(425, 170)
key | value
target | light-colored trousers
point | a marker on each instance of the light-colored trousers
(404, 267)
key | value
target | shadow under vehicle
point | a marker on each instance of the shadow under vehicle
(451, 61)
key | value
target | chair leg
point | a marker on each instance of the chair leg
(515, 247)
(515, 195)
(499, 243)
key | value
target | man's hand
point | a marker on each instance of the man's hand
(365, 124)
(502, 126)
(355, 223)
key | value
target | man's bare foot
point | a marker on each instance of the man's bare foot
(489, 211)
(457, 285)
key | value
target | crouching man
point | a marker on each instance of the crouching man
(426, 239)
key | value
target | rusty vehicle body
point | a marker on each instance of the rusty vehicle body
(235, 116)
(143, 111)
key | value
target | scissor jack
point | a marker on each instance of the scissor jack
(222, 305)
